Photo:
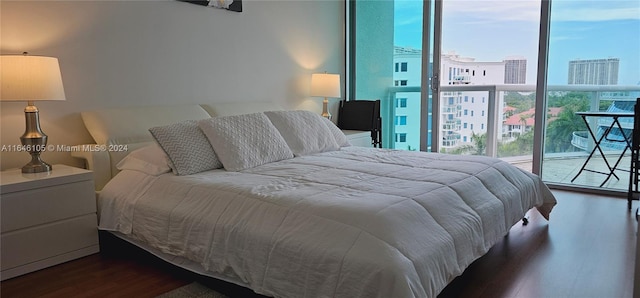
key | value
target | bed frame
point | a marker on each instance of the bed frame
(117, 132)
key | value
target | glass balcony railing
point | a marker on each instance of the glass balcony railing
(580, 140)
(500, 119)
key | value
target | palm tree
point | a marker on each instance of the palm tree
(523, 120)
(479, 146)
(560, 131)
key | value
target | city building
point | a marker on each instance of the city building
(515, 70)
(516, 124)
(594, 71)
(407, 71)
(462, 114)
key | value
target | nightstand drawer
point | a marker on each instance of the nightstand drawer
(42, 205)
(39, 243)
(46, 219)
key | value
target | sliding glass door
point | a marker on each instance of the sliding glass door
(488, 69)
(480, 62)
(594, 65)
(469, 77)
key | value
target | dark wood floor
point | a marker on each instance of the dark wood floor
(586, 250)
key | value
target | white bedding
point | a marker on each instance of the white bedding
(358, 222)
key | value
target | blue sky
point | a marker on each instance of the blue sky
(493, 30)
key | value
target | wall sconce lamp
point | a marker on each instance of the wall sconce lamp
(325, 85)
(31, 78)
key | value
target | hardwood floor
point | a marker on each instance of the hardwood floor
(99, 275)
(586, 250)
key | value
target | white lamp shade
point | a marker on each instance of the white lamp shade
(30, 78)
(325, 85)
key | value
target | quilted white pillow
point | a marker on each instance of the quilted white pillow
(305, 132)
(245, 141)
(340, 137)
(149, 159)
(187, 147)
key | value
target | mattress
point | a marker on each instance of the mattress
(357, 222)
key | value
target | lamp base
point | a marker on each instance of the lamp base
(37, 166)
(325, 109)
(34, 140)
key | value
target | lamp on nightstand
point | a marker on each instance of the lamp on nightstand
(31, 78)
(325, 85)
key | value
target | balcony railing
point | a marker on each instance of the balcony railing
(494, 125)
(580, 139)
(451, 109)
(559, 164)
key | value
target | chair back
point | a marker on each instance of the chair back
(362, 115)
(635, 138)
(634, 171)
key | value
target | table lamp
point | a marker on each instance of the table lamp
(325, 85)
(31, 78)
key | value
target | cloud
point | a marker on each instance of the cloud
(409, 21)
(408, 12)
(495, 11)
(594, 14)
(555, 38)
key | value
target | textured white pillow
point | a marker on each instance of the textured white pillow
(245, 141)
(305, 132)
(149, 159)
(187, 147)
(340, 137)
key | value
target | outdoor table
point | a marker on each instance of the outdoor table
(598, 140)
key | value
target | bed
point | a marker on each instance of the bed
(289, 209)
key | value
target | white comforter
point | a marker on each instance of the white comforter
(357, 222)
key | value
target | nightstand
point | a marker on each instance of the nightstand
(46, 219)
(360, 138)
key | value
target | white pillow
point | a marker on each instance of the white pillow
(149, 159)
(305, 132)
(245, 141)
(340, 137)
(187, 147)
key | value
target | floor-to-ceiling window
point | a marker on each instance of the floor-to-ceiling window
(484, 66)
(593, 65)
(488, 64)
(387, 64)
(476, 46)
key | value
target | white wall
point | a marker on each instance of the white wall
(136, 53)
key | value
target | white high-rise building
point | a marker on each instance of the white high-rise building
(594, 71)
(463, 113)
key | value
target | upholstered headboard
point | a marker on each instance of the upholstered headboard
(120, 131)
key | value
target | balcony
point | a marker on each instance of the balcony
(451, 125)
(451, 109)
(563, 156)
(461, 80)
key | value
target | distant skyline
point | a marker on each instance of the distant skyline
(494, 30)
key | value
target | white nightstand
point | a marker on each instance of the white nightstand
(46, 219)
(358, 138)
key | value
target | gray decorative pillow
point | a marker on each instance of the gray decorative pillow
(245, 141)
(187, 147)
(305, 132)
